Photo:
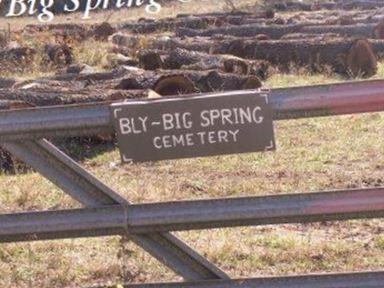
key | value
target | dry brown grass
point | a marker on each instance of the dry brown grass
(313, 154)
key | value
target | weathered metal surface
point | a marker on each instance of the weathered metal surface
(188, 215)
(328, 100)
(287, 103)
(186, 127)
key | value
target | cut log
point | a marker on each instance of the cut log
(208, 81)
(220, 19)
(58, 55)
(360, 60)
(165, 25)
(7, 82)
(278, 52)
(358, 30)
(126, 43)
(323, 5)
(192, 60)
(48, 85)
(31, 28)
(215, 14)
(78, 32)
(262, 14)
(293, 6)
(318, 55)
(216, 45)
(136, 42)
(18, 59)
(150, 60)
(301, 36)
(363, 5)
(102, 31)
(41, 96)
(76, 69)
(174, 85)
(90, 77)
(378, 31)
(14, 104)
(116, 60)
(273, 31)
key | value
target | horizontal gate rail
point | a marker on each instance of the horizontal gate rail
(188, 215)
(22, 133)
(288, 103)
(352, 280)
(74, 180)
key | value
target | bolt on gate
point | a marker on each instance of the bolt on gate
(23, 133)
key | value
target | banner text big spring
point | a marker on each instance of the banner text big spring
(45, 10)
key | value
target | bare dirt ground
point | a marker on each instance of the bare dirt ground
(312, 155)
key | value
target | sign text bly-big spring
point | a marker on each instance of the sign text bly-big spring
(44, 10)
(194, 126)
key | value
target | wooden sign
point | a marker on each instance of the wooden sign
(185, 127)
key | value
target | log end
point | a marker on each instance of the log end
(59, 55)
(361, 60)
(150, 60)
(174, 85)
(252, 82)
(378, 31)
(103, 31)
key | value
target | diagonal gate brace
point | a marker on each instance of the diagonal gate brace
(68, 175)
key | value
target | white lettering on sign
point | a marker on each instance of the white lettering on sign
(170, 141)
(190, 139)
(132, 125)
(232, 116)
(192, 127)
(177, 121)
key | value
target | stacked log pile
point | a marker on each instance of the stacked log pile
(230, 47)
(194, 53)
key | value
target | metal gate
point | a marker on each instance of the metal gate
(23, 133)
